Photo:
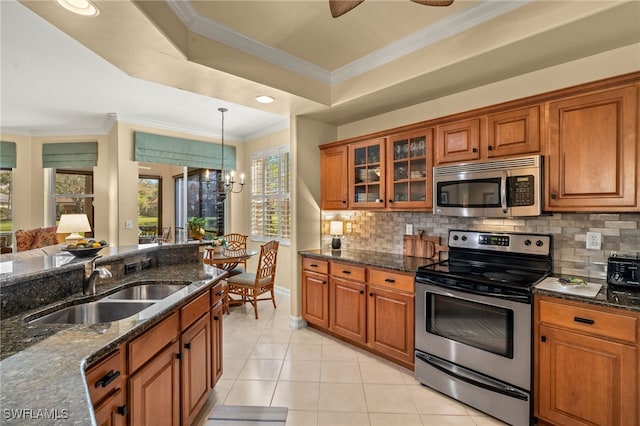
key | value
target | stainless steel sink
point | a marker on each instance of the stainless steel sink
(146, 292)
(93, 313)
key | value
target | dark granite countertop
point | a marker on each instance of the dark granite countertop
(622, 298)
(376, 259)
(612, 297)
(44, 364)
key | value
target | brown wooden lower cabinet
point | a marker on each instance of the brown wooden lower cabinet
(586, 365)
(391, 318)
(155, 390)
(113, 410)
(369, 307)
(348, 309)
(195, 367)
(165, 375)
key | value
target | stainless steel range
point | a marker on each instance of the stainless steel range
(473, 321)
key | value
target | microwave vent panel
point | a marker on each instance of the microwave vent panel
(487, 166)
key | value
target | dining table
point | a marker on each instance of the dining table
(226, 259)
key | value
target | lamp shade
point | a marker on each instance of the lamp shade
(335, 227)
(74, 223)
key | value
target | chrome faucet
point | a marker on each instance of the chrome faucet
(91, 275)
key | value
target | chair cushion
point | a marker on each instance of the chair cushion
(236, 271)
(247, 278)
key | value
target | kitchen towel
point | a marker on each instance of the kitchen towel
(552, 284)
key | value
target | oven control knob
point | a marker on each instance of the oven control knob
(455, 238)
(464, 238)
(527, 242)
(539, 243)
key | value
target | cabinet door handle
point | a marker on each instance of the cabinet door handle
(216, 318)
(490, 148)
(324, 282)
(584, 320)
(370, 294)
(361, 291)
(391, 201)
(474, 150)
(108, 378)
(219, 292)
(346, 272)
(179, 355)
(187, 345)
(554, 196)
(314, 265)
(543, 339)
(123, 410)
(389, 280)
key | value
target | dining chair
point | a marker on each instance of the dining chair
(237, 242)
(164, 238)
(251, 285)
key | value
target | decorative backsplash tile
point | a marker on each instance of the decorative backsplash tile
(383, 231)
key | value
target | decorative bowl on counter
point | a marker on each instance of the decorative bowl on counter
(87, 249)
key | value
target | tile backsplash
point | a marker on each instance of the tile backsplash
(383, 231)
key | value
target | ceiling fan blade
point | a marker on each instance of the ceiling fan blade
(434, 2)
(340, 7)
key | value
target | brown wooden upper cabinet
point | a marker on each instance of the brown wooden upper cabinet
(367, 168)
(458, 141)
(514, 132)
(333, 178)
(502, 134)
(410, 160)
(593, 152)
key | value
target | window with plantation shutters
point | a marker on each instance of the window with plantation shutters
(271, 195)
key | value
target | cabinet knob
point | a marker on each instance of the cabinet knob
(361, 291)
(187, 345)
(543, 338)
(490, 148)
(216, 318)
(344, 201)
(370, 294)
(474, 150)
(324, 282)
(122, 410)
(554, 196)
(390, 201)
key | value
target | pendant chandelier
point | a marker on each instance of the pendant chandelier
(227, 183)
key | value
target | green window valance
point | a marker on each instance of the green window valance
(150, 148)
(61, 155)
(7, 155)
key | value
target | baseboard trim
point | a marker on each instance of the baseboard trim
(296, 323)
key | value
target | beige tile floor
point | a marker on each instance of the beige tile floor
(322, 380)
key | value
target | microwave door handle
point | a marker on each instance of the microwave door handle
(503, 192)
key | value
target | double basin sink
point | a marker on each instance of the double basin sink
(113, 307)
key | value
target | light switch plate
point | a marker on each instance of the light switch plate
(128, 224)
(408, 229)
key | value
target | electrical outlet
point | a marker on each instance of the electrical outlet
(349, 228)
(128, 224)
(408, 229)
(594, 240)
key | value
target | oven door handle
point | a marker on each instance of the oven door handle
(471, 377)
(513, 297)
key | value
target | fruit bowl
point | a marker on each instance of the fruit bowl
(85, 251)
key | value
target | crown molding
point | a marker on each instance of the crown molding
(442, 29)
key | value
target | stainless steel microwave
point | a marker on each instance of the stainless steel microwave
(507, 187)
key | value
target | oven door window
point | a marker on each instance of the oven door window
(482, 326)
(480, 193)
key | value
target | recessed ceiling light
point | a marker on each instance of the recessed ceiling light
(264, 99)
(80, 7)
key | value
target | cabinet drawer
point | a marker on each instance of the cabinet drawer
(594, 321)
(392, 280)
(194, 310)
(217, 293)
(144, 347)
(315, 265)
(106, 376)
(348, 271)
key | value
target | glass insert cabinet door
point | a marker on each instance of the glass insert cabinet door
(411, 169)
(367, 173)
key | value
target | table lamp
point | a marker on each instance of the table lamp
(335, 229)
(73, 223)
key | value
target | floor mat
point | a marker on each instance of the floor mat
(246, 415)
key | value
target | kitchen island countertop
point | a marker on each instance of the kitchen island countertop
(43, 377)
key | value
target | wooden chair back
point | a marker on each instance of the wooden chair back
(267, 264)
(236, 241)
